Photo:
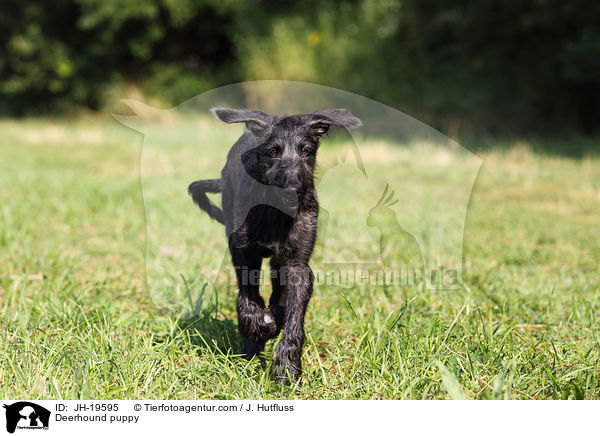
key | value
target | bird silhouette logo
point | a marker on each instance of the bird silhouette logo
(393, 238)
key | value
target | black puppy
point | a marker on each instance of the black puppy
(270, 209)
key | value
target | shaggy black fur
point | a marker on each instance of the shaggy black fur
(270, 209)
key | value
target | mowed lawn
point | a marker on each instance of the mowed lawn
(77, 320)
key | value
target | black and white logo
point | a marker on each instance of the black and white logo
(26, 415)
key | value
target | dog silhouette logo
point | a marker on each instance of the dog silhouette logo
(26, 415)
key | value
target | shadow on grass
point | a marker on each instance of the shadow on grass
(215, 336)
(206, 332)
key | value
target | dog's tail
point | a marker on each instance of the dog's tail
(198, 190)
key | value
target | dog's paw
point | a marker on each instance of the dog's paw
(288, 364)
(269, 319)
(267, 326)
(251, 349)
(258, 325)
(286, 373)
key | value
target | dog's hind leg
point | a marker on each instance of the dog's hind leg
(255, 324)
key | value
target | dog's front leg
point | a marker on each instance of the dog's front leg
(254, 323)
(249, 301)
(288, 364)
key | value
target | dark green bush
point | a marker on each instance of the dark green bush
(72, 50)
(491, 64)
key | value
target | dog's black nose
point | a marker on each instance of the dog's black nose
(292, 182)
(290, 196)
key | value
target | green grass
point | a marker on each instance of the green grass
(78, 322)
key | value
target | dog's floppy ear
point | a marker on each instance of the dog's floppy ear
(259, 123)
(320, 121)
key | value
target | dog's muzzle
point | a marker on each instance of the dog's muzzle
(290, 197)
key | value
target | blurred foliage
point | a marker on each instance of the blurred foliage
(490, 64)
(73, 51)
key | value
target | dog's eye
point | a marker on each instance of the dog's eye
(274, 152)
(305, 151)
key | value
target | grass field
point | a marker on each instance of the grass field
(77, 320)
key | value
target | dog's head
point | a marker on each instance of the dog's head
(286, 149)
